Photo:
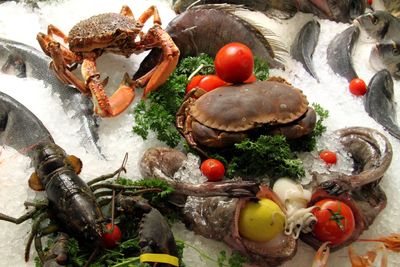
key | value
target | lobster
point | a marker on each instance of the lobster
(76, 208)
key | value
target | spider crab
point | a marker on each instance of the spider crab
(115, 33)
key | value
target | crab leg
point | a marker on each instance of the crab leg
(103, 105)
(156, 35)
(126, 11)
(322, 255)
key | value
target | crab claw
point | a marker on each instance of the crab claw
(322, 255)
(103, 105)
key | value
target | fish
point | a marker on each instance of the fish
(37, 67)
(386, 56)
(15, 119)
(14, 65)
(225, 23)
(379, 102)
(339, 53)
(336, 10)
(380, 25)
(304, 45)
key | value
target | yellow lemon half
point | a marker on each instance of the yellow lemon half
(261, 221)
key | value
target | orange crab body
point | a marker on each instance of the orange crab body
(117, 33)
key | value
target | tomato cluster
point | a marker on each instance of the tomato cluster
(233, 63)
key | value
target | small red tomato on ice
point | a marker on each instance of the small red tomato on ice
(328, 156)
(193, 82)
(210, 82)
(213, 169)
(111, 236)
(357, 87)
(234, 63)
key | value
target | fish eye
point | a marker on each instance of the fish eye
(374, 20)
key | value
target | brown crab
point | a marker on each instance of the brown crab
(230, 114)
(115, 33)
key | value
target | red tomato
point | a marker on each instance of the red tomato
(193, 82)
(358, 87)
(251, 79)
(328, 156)
(210, 82)
(213, 169)
(335, 221)
(234, 63)
(369, 2)
(111, 236)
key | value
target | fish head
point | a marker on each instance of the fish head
(375, 24)
(339, 10)
(388, 54)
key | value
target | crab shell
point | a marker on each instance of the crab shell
(102, 31)
(228, 114)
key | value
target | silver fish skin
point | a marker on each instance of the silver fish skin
(386, 56)
(339, 53)
(15, 119)
(37, 64)
(380, 25)
(304, 45)
(379, 102)
(337, 10)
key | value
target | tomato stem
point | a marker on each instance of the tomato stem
(337, 217)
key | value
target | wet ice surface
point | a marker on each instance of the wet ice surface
(115, 137)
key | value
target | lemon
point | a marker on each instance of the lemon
(261, 221)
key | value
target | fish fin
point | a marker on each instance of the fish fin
(277, 48)
(35, 183)
(75, 162)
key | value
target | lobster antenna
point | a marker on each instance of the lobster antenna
(124, 161)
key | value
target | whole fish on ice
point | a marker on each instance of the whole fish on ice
(337, 10)
(340, 50)
(379, 102)
(37, 67)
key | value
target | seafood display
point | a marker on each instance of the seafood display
(168, 205)
(340, 51)
(304, 45)
(36, 65)
(344, 10)
(379, 102)
(115, 33)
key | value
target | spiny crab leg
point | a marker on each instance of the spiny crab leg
(159, 74)
(103, 105)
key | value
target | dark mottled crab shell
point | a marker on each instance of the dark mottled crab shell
(242, 107)
(98, 31)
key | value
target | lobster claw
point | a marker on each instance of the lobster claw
(157, 242)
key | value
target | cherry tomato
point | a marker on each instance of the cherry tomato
(210, 82)
(251, 79)
(111, 236)
(193, 82)
(328, 156)
(234, 63)
(335, 221)
(213, 169)
(370, 2)
(357, 87)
